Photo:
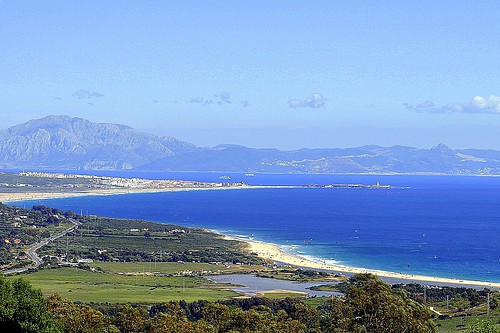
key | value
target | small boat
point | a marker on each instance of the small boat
(226, 177)
(249, 174)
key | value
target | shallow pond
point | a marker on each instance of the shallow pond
(253, 284)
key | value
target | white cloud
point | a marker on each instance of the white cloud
(484, 105)
(196, 100)
(425, 106)
(220, 98)
(223, 96)
(478, 104)
(82, 93)
(316, 100)
(295, 103)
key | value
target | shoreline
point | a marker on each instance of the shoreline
(273, 252)
(23, 196)
(264, 250)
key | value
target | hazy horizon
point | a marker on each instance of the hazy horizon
(214, 135)
(281, 74)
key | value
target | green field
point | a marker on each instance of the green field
(85, 286)
(459, 324)
(173, 268)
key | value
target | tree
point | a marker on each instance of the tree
(132, 320)
(7, 305)
(371, 306)
(482, 326)
(23, 309)
(217, 315)
(78, 318)
(164, 323)
(306, 315)
(336, 317)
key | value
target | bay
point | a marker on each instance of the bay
(445, 226)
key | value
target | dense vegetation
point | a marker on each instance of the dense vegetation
(460, 298)
(299, 274)
(457, 299)
(106, 239)
(23, 309)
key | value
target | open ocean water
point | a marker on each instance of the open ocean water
(446, 226)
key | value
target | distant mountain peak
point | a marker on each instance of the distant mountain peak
(65, 119)
(60, 122)
(65, 142)
(441, 147)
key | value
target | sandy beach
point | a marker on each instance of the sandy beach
(273, 252)
(13, 197)
(20, 196)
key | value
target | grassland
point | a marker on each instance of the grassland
(460, 324)
(143, 282)
(173, 268)
(98, 287)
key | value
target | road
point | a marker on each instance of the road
(31, 252)
(435, 311)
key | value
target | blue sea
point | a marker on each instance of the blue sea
(445, 226)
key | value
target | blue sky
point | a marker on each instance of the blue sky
(285, 74)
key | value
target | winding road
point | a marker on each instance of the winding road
(31, 252)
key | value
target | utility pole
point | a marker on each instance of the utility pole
(447, 302)
(488, 306)
(67, 247)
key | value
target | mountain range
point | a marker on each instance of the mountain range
(69, 143)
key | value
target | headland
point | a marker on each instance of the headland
(42, 185)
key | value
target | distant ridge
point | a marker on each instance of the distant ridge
(68, 143)
(64, 142)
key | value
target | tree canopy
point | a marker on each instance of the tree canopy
(23, 309)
